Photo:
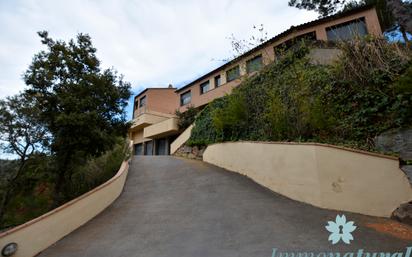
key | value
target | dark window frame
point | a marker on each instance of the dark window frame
(216, 78)
(142, 101)
(181, 97)
(202, 85)
(291, 43)
(248, 62)
(237, 68)
(137, 147)
(344, 24)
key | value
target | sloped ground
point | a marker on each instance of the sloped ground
(177, 207)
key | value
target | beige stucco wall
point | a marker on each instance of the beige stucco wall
(137, 137)
(324, 176)
(324, 56)
(161, 129)
(181, 139)
(38, 234)
(147, 119)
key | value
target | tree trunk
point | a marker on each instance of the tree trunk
(404, 35)
(59, 186)
(401, 13)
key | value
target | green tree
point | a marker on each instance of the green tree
(323, 7)
(81, 105)
(21, 134)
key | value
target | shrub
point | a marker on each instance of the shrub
(98, 170)
(34, 191)
(370, 62)
(187, 118)
(204, 131)
(366, 92)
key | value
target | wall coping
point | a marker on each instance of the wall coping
(316, 144)
(326, 176)
(123, 167)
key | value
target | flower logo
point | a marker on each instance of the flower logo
(340, 230)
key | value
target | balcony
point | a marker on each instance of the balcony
(147, 119)
(165, 128)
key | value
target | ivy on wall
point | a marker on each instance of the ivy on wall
(366, 91)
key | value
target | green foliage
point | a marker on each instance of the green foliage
(22, 134)
(187, 117)
(30, 195)
(371, 62)
(404, 83)
(82, 106)
(366, 92)
(21, 131)
(363, 95)
(323, 7)
(33, 192)
(28, 205)
(65, 128)
(204, 132)
(98, 170)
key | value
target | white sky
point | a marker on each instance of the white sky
(153, 43)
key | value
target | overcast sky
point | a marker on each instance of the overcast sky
(153, 43)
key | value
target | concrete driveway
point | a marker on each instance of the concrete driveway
(176, 208)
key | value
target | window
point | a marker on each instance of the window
(136, 104)
(293, 42)
(347, 31)
(148, 148)
(254, 64)
(138, 149)
(185, 98)
(142, 101)
(233, 74)
(218, 81)
(204, 87)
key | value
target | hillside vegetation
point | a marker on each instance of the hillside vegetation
(66, 130)
(33, 192)
(368, 90)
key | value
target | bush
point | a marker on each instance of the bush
(34, 190)
(98, 170)
(187, 118)
(31, 193)
(366, 95)
(366, 92)
(204, 132)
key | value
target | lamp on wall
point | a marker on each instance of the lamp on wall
(9, 249)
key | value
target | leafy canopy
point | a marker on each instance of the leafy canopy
(81, 105)
(20, 130)
(323, 7)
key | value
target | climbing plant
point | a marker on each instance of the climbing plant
(365, 92)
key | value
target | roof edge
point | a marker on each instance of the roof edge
(152, 88)
(279, 36)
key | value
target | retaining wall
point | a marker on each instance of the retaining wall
(322, 175)
(38, 234)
